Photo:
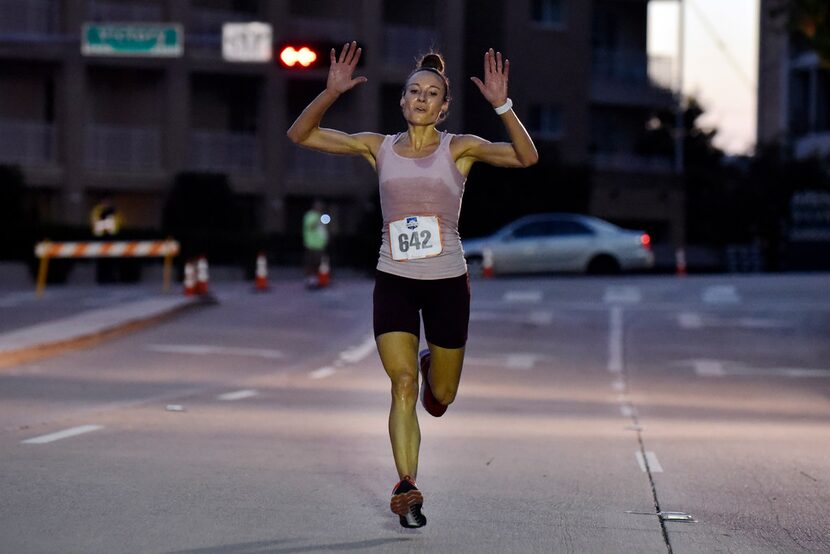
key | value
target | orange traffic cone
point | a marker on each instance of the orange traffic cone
(261, 281)
(323, 277)
(680, 262)
(189, 279)
(487, 263)
(202, 276)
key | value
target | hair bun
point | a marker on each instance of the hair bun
(433, 60)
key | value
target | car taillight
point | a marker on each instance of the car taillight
(645, 240)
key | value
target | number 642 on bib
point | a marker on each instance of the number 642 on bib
(415, 237)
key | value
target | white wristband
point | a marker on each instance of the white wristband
(504, 107)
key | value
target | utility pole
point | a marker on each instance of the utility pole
(679, 131)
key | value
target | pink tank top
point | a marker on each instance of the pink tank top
(414, 193)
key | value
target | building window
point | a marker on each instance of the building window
(546, 122)
(548, 12)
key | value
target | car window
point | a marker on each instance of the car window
(535, 229)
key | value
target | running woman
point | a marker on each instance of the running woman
(421, 271)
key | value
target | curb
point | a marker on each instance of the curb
(93, 334)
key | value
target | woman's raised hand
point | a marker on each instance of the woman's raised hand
(340, 73)
(494, 87)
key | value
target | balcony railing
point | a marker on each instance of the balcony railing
(29, 17)
(419, 40)
(625, 162)
(208, 21)
(100, 10)
(224, 152)
(27, 143)
(632, 67)
(307, 164)
(334, 30)
(122, 148)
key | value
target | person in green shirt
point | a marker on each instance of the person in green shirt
(315, 240)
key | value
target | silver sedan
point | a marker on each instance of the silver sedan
(560, 242)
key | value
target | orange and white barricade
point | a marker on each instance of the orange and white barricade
(46, 250)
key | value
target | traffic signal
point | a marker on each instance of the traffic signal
(305, 54)
(298, 57)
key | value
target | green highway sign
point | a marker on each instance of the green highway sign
(132, 39)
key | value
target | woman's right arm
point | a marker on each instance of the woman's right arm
(306, 130)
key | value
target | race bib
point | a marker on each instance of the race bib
(415, 237)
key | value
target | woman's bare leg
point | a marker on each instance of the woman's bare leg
(399, 355)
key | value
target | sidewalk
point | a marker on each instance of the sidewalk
(44, 339)
(81, 313)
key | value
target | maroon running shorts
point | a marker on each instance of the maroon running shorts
(444, 304)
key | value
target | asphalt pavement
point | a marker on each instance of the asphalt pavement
(631, 414)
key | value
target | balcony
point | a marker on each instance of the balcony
(307, 165)
(223, 152)
(100, 10)
(631, 78)
(316, 28)
(631, 163)
(396, 52)
(27, 143)
(111, 148)
(28, 19)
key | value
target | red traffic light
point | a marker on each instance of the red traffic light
(293, 57)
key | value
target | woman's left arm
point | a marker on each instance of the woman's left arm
(520, 151)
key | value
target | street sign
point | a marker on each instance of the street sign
(246, 42)
(132, 39)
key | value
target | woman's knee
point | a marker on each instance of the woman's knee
(444, 392)
(405, 387)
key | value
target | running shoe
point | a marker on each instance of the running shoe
(430, 404)
(406, 502)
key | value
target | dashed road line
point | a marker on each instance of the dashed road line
(66, 433)
(322, 373)
(720, 294)
(521, 361)
(523, 296)
(237, 395)
(649, 462)
(615, 340)
(359, 352)
(209, 350)
(622, 295)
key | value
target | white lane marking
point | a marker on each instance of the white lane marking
(237, 395)
(66, 433)
(615, 340)
(802, 372)
(721, 294)
(622, 294)
(523, 296)
(618, 385)
(208, 350)
(322, 373)
(627, 410)
(521, 361)
(651, 459)
(689, 320)
(719, 368)
(708, 368)
(539, 317)
(692, 320)
(359, 352)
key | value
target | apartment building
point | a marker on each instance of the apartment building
(793, 89)
(83, 126)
